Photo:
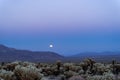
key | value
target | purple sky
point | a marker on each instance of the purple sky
(72, 26)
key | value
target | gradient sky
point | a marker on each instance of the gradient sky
(72, 26)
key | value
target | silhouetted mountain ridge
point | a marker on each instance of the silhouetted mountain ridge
(106, 56)
(11, 54)
(89, 54)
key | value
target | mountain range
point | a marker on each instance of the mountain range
(107, 56)
(8, 54)
(12, 54)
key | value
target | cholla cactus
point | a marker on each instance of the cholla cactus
(99, 68)
(28, 63)
(27, 73)
(58, 63)
(109, 76)
(106, 76)
(84, 66)
(81, 72)
(68, 66)
(1, 79)
(76, 78)
(10, 66)
(96, 77)
(6, 75)
(69, 74)
(86, 70)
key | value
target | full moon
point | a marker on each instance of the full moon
(51, 46)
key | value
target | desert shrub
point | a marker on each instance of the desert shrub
(6, 75)
(27, 73)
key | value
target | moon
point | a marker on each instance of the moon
(51, 46)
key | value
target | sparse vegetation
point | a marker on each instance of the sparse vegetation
(88, 69)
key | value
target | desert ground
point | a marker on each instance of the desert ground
(87, 69)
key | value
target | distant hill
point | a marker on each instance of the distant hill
(89, 54)
(8, 54)
(101, 56)
(11, 54)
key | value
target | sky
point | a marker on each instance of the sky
(71, 26)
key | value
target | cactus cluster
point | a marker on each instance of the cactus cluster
(88, 69)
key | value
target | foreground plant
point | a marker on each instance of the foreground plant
(27, 73)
